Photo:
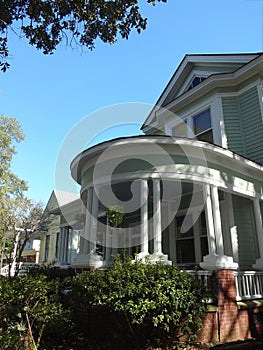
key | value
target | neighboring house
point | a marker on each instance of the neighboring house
(31, 251)
(61, 229)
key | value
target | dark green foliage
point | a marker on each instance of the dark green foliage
(31, 310)
(128, 303)
(115, 216)
(158, 297)
(45, 23)
(51, 272)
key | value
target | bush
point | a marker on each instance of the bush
(155, 297)
(31, 309)
(51, 272)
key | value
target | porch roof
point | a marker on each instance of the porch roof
(149, 148)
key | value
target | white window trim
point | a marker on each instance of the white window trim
(217, 122)
(197, 114)
(194, 73)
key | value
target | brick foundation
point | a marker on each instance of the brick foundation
(230, 320)
(209, 332)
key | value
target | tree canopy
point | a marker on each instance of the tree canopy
(11, 133)
(19, 216)
(45, 23)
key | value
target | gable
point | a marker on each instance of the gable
(192, 67)
(59, 199)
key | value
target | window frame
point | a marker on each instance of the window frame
(197, 135)
(215, 114)
(197, 236)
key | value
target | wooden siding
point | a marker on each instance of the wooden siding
(246, 232)
(252, 124)
(233, 125)
(243, 124)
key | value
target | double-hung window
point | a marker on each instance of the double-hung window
(203, 127)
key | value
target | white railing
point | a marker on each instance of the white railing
(249, 285)
(4, 270)
(23, 268)
(202, 276)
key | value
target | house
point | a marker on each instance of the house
(60, 229)
(190, 189)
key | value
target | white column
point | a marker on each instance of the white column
(209, 220)
(94, 222)
(144, 217)
(217, 221)
(87, 232)
(259, 228)
(215, 260)
(157, 226)
(232, 226)
(87, 257)
(108, 248)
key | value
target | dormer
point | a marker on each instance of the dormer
(215, 99)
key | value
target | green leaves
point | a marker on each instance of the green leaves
(150, 295)
(45, 23)
(115, 216)
(31, 304)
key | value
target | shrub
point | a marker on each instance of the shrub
(31, 308)
(162, 298)
(51, 272)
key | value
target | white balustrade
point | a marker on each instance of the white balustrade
(249, 285)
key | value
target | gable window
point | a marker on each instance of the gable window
(195, 81)
(203, 127)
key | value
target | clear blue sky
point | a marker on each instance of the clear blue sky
(49, 95)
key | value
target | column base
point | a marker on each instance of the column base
(91, 260)
(218, 262)
(258, 265)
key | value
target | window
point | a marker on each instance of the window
(203, 235)
(195, 81)
(28, 245)
(191, 244)
(203, 126)
(185, 249)
(180, 129)
(72, 244)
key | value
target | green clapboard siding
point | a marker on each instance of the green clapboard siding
(252, 124)
(233, 126)
(246, 232)
(243, 124)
